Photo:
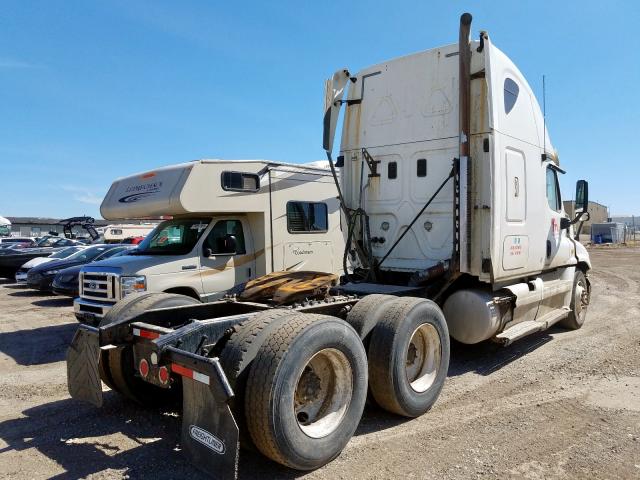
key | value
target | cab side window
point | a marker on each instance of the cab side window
(221, 230)
(553, 190)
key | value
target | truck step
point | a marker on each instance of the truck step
(522, 329)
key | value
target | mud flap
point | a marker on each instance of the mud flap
(210, 435)
(83, 357)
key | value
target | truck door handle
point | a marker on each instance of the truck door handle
(516, 186)
(189, 267)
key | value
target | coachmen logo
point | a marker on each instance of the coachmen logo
(209, 440)
(138, 192)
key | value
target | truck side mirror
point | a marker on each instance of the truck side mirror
(582, 196)
(333, 93)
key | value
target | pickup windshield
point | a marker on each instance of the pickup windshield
(173, 237)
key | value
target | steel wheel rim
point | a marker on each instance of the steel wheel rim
(423, 357)
(580, 301)
(323, 393)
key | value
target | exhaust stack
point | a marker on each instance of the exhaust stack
(461, 208)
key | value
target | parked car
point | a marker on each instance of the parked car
(66, 282)
(14, 240)
(41, 277)
(14, 245)
(21, 274)
(12, 259)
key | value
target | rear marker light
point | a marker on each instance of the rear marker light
(163, 375)
(145, 334)
(144, 368)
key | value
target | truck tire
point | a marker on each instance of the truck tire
(119, 369)
(238, 354)
(309, 366)
(579, 303)
(365, 314)
(409, 356)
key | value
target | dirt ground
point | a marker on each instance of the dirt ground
(555, 405)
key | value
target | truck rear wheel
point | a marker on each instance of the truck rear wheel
(365, 314)
(238, 354)
(579, 303)
(117, 364)
(409, 356)
(306, 390)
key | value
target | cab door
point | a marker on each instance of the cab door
(558, 247)
(226, 257)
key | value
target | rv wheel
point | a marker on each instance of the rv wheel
(306, 390)
(117, 367)
(409, 356)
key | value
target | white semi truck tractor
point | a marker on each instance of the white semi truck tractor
(454, 226)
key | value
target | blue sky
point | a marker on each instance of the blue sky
(90, 91)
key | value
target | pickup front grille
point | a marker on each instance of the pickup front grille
(99, 286)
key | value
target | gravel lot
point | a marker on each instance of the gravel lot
(555, 405)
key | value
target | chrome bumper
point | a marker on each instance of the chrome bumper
(21, 277)
(90, 310)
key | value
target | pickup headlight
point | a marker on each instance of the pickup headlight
(132, 285)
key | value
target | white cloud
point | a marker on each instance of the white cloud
(10, 63)
(84, 195)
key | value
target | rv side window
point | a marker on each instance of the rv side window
(241, 182)
(511, 90)
(305, 217)
(219, 233)
(553, 191)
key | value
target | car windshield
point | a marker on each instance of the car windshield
(111, 252)
(47, 241)
(122, 253)
(173, 237)
(88, 254)
(65, 252)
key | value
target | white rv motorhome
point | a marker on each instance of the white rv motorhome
(232, 221)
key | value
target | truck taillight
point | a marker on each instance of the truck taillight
(143, 367)
(163, 375)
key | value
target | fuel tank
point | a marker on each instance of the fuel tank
(472, 316)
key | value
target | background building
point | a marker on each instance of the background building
(38, 226)
(599, 214)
